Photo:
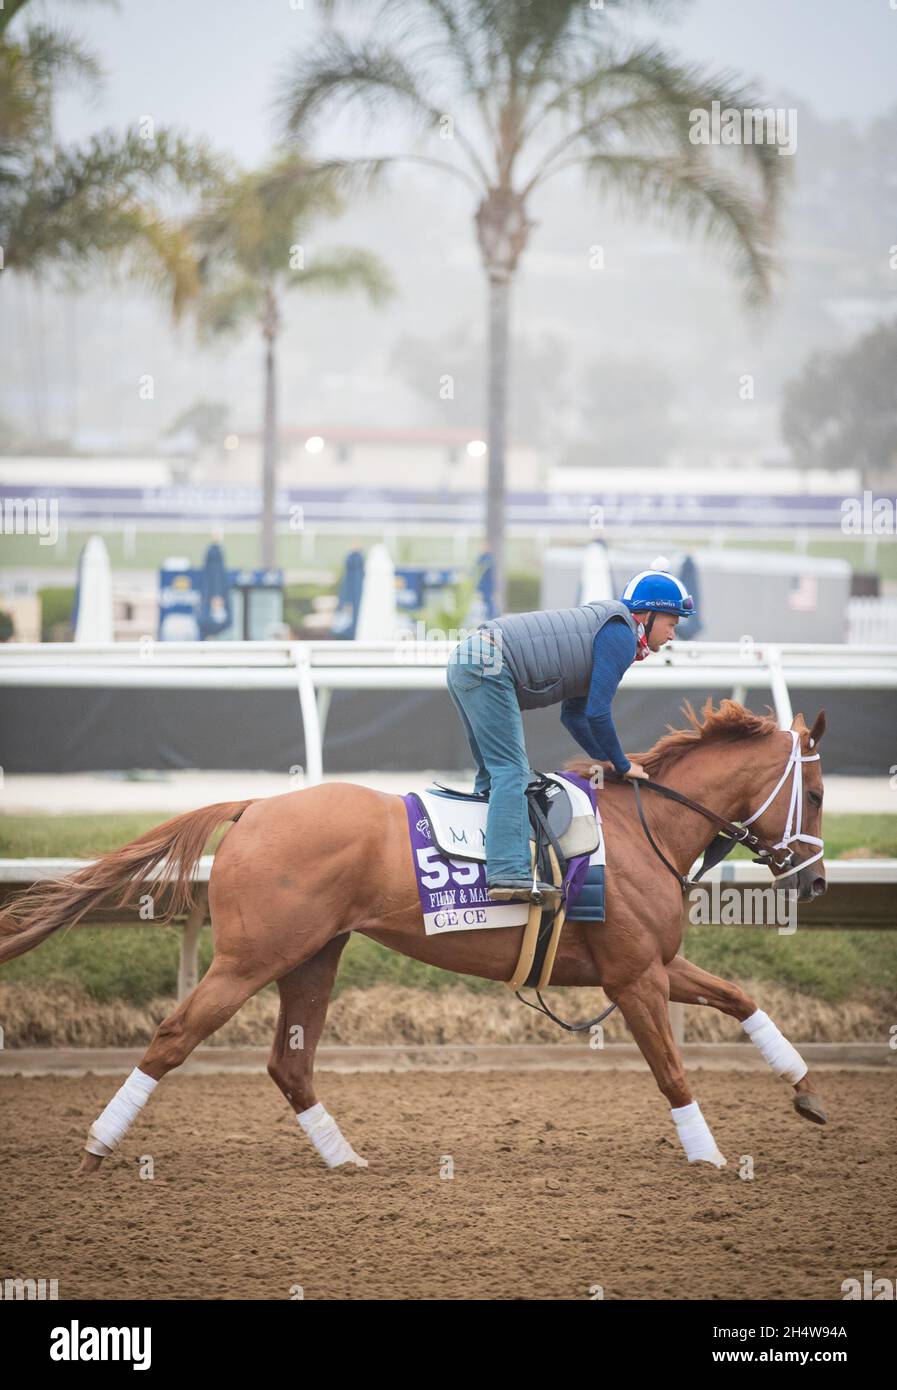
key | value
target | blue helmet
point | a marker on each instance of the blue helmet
(655, 591)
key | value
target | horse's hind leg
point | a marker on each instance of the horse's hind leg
(691, 985)
(304, 996)
(224, 988)
(644, 1004)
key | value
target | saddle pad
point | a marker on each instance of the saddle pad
(458, 824)
(452, 888)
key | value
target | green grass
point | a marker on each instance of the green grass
(833, 965)
(121, 963)
(78, 837)
(109, 962)
(150, 548)
(853, 551)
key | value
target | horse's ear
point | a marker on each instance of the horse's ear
(818, 728)
(799, 724)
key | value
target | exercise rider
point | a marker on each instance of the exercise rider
(572, 656)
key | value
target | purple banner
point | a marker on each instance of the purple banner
(242, 502)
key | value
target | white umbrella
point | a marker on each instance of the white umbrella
(94, 623)
(377, 620)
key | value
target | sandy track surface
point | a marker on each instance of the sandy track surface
(561, 1182)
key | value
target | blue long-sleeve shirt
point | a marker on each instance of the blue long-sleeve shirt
(588, 718)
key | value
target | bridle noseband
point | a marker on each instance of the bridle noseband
(734, 833)
(792, 829)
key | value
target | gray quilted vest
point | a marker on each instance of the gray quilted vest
(549, 653)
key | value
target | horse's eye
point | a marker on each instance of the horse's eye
(816, 798)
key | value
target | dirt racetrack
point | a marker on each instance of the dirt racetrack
(561, 1182)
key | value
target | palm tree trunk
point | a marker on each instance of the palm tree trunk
(269, 456)
(499, 364)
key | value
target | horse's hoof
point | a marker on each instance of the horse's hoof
(810, 1107)
(89, 1164)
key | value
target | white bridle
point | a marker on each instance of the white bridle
(792, 829)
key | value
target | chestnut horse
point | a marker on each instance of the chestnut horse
(298, 873)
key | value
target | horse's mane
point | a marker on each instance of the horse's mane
(725, 724)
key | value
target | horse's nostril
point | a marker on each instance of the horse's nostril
(819, 886)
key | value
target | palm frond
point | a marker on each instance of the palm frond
(647, 95)
(369, 73)
(13, 8)
(73, 204)
(687, 192)
(55, 54)
(345, 268)
(162, 257)
(247, 234)
(227, 309)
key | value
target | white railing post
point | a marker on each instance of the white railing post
(188, 968)
(324, 695)
(311, 724)
(780, 695)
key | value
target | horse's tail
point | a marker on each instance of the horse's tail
(161, 862)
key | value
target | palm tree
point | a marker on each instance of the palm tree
(69, 207)
(527, 89)
(31, 65)
(249, 247)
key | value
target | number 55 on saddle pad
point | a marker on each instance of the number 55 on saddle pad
(448, 847)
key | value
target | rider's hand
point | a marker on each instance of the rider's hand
(636, 771)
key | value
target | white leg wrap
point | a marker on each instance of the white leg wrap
(324, 1132)
(781, 1055)
(693, 1130)
(121, 1112)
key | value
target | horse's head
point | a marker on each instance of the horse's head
(792, 816)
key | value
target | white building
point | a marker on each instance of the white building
(445, 460)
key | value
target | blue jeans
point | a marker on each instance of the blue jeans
(485, 697)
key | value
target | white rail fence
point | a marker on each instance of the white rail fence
(315, 669)
(862, 895)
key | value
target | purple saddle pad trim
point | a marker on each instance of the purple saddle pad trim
(464, 886)
(577, 868)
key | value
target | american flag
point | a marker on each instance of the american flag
(804, 594)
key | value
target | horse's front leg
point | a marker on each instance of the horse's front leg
(689, 984)
(644, 1003)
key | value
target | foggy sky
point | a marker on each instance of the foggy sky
(210, 68)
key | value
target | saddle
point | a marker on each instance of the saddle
(564, 826)
(559, 811)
